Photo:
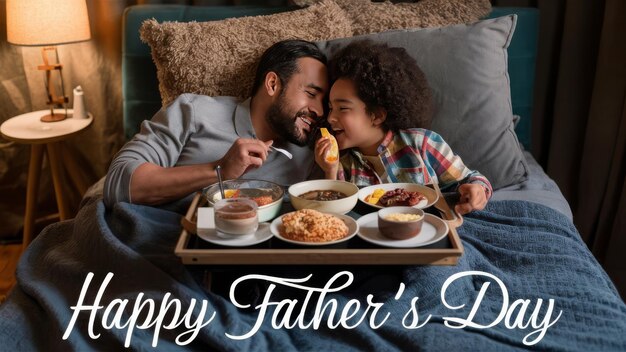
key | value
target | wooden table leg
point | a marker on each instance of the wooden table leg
(32, 188)
(55, 168)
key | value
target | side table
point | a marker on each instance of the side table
(28, 129)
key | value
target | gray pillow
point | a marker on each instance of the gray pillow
(466, 66)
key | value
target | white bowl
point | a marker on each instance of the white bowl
(338, 206)
(266, 212)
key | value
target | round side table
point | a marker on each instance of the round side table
(28, 129)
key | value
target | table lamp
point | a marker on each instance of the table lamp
(48, 23)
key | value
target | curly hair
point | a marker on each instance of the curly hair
(386, 77)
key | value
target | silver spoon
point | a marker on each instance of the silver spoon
(218, 170)
(283, 151)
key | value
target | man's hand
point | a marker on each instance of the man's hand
(473, 197)
(244, 155)
(322, 146)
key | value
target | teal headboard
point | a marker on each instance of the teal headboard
(522, 56)
(140, 86)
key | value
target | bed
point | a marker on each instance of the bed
(525, 281)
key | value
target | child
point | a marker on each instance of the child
(379, 106)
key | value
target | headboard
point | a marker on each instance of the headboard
(140, 85)
(522, 57)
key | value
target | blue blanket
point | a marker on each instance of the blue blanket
(526, 280)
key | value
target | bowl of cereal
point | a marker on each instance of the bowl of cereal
(267, 195)
(327, 196)
(400, 223)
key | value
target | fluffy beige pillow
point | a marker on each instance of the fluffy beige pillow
(219, 57)
(369, 17)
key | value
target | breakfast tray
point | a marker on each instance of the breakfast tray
(194, 250)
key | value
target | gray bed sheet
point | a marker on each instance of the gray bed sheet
(538, 188)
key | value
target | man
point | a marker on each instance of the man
(176, 152)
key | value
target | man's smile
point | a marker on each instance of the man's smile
(305, 122)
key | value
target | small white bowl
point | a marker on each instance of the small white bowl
(338, 206)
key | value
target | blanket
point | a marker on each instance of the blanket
(526, 280)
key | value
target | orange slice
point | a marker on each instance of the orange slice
(375, 196)
(333, 153)
(231, 193)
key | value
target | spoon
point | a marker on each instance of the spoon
(283, 151)
(218, 170)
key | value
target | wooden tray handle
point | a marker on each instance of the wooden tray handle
(189, 225)
(450, 215)
(189, 221)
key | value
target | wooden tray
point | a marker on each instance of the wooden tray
(193, 250)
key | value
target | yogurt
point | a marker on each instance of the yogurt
(236, 217)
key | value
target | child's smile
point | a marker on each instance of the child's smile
(352, 124)
(337, 131)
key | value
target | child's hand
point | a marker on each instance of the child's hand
(322, 146)
(473, 197)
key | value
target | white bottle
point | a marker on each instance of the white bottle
(79, 104)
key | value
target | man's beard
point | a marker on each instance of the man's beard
(284, 124)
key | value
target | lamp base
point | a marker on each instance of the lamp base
(53, 117)
(53, 99)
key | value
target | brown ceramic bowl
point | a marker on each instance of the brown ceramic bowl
(400, 229)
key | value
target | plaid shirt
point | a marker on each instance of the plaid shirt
(414, 155)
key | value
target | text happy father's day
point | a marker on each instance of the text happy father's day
(170, 313)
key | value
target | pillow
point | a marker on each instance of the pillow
(219, 57)
(466, 66)
(373, 17)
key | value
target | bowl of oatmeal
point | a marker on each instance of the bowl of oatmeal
(400, 223)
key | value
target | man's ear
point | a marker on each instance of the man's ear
(379, 115)
(272, 84)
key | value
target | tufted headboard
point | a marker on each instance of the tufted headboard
(140, 87)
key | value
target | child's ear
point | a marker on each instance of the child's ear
(379, 116)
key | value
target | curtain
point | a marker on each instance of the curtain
(579, 118)
(601, 186)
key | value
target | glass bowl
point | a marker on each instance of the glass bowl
(268, 195)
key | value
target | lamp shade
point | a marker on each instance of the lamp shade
(47, 22)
